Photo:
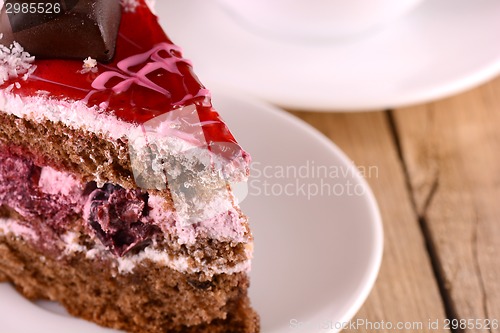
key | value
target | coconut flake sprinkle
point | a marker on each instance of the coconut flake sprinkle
(89, 65)
(14, 62)
(129, 6)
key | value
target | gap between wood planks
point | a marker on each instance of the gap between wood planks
(450, 309)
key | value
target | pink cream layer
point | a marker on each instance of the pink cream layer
(120, 218)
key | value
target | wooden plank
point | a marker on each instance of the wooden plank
(406, 290)
(451, 151)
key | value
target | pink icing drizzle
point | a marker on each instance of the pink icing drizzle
(140, 77)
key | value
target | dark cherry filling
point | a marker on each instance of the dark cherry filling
(118, 216)
(19, 190)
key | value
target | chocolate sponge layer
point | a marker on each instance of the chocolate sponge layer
(67, 149)
(148, 300)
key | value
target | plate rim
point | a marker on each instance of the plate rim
(373, 270)
(446, 85)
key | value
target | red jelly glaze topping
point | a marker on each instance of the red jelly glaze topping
(139, 33)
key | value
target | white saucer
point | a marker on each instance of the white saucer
(315, 259)
(443, 47)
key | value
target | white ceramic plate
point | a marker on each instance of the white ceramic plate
(316, 258)
(443, 47)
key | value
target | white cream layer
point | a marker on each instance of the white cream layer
(158, 134)
(127, 264)
(11, 226)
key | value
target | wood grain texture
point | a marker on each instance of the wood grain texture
(406, 290)
(451, 149)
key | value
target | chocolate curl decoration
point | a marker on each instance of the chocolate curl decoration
(21, 16)
(73, 29)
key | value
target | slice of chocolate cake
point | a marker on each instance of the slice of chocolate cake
(116, 173)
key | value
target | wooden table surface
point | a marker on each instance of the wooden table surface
(438, 189)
